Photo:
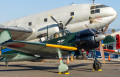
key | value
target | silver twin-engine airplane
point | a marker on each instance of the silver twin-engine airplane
(65, 29)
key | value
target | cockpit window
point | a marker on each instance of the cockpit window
(101, 6)
(58, 34)
(92, 7)
(95, 11)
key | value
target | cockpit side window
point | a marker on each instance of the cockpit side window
(93, 12)
(95, 9)
(92, 7)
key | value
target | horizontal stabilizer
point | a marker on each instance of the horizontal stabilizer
(14, 28)
(17, 33)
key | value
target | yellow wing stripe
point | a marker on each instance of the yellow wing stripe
(61, 47)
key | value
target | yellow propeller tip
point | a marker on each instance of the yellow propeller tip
(72, 16)
(50, 15)
(103, 45)
(104, 62)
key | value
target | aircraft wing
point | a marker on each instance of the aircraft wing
(117, 52)
(30, 47)
(34, 48)
(17, 32)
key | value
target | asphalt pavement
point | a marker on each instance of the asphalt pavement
(77, 68)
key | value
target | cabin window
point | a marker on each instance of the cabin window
(72, 13)
(45, 20)
(30, 23)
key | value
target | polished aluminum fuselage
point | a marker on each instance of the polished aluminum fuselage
(82, 12)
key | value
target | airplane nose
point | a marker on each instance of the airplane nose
(100, 37)
(111, 12)
(114, 12)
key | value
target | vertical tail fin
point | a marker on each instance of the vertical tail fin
(4, 36)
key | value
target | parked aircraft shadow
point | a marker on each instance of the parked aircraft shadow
(43, 68)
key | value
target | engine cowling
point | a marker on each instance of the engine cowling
(87, 40)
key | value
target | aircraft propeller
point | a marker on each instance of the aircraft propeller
(60, 24)
(100, 44)
(105, 29)
(101, 47)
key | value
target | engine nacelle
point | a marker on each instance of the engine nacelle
(87, 40)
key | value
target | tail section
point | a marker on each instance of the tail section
(5, 36)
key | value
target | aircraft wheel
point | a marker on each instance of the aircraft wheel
(97, 65)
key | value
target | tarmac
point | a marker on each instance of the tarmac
(77, 68)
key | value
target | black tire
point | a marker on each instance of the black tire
(97, 65)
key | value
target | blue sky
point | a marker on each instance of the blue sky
(13, 9)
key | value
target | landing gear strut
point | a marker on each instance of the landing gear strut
(6, 63)
(80, 55)
(63, 68)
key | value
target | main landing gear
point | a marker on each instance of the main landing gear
(96, 65)
(6, 63)
(63, 68)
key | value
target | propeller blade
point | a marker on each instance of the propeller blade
(54, 19)
(91, 30)
(105, 28)
(69, 21)
(102, 52)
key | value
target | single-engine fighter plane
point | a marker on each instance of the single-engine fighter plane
(62, 42)
(45, 33)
